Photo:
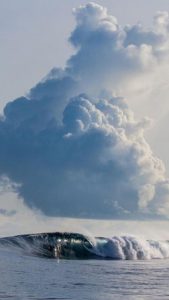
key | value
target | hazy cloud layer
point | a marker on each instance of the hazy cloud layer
(71, 147)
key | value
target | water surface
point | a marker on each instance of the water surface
(28, 277)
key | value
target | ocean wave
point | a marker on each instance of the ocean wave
(131, 248)
(78, 246)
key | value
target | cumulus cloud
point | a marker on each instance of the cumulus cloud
(70, 146)
(112, 54)
(95, 164)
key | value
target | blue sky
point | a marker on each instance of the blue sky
(33, 35)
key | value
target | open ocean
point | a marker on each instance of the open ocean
(24, 276)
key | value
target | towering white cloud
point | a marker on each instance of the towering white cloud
(72, 147)
(113, 55)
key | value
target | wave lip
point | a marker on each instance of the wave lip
(77, 246)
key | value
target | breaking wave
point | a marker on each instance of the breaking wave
(78, 246)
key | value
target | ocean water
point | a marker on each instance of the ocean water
(25, 276)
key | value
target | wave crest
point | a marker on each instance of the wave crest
(131, 248)
(78, 246)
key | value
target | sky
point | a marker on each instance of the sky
(33, 36)
(84, 111)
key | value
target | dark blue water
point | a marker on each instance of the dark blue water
(27, 277)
